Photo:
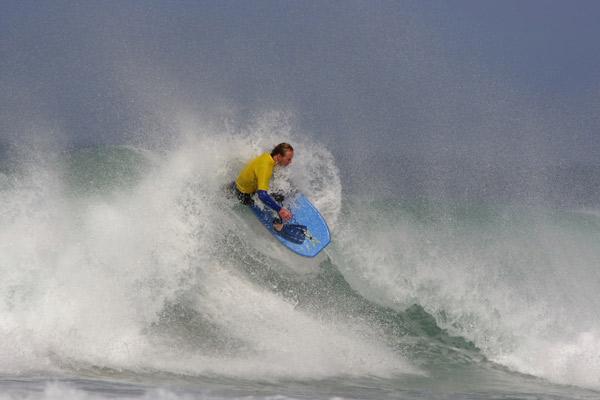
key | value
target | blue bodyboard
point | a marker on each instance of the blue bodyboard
(317, 235)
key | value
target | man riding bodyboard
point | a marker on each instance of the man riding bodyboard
(255, 179)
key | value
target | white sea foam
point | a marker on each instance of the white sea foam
(86, 277)
(520, 283)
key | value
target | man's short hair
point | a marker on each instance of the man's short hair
(281, 149)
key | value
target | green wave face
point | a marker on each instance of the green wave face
(100, 170)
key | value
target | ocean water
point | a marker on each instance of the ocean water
(126, 273)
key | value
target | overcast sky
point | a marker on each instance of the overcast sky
(495, 82)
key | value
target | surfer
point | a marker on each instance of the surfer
(256, 176)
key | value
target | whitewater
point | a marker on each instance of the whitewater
(126, 273)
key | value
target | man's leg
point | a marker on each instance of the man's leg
(244, 198)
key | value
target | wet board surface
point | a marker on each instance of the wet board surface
(304, 213)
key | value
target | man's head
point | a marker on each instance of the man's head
(283, 154)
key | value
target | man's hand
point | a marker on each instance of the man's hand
(285, 214)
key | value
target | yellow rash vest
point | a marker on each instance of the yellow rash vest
(256, 175)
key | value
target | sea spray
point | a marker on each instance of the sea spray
(147, 266)
(91, 272)
(519, 282)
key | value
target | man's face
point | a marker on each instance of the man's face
(286, 158)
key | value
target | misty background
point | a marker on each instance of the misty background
(464, 99)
